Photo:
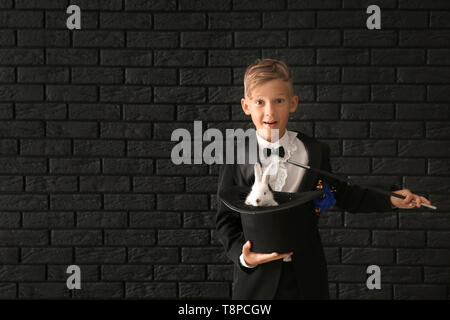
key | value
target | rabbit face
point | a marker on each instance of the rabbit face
(261, 194)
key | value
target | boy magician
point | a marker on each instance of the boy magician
(269, 99)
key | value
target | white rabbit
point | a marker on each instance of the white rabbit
(260, 194)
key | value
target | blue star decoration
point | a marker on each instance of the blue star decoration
(326, 200)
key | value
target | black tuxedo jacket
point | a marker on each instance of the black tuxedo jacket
(310, 267)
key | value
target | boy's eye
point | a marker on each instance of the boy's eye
(258, 101)
(280, 100)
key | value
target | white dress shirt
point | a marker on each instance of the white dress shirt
(284, 177)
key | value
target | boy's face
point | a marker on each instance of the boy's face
(269, 105)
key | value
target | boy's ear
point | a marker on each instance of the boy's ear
(245, 107)
(294, 104)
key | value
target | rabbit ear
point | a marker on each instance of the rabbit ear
(258, 172)
(265, 177)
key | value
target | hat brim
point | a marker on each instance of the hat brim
(234, 198)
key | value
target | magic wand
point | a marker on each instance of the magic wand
(334, 176)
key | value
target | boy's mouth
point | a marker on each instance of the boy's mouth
(270, 123)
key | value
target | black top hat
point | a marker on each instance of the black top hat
(283, 228)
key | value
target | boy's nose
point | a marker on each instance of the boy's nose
(269, 109)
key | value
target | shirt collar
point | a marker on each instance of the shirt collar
(284, 141)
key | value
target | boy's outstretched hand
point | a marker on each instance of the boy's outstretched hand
(252, 259)
(407, 202)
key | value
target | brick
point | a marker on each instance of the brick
(128, 166)
(363, 4)
(24, 237)
(433, 148)
(369, 38)
(341, 19)
(23, 202)
(75, 202)
(183, 237)
(7, 38)
(366, 111)
(204, 255)
(301, 38)
(100, 255)
(438, 93)
(50, 184)
(155, 219)
(182, 202)
(71, 56)
(311, 4)
(367, 256)
(179, 273)
(246, 39)
(435, 184)
(368, 75)
(126, 94)
(35, 4)
(76, 237)
(220, 273)
(390, 93)
(180, 94)
(416, 4)
(216, 76)
(148, 112)
(10, 220)
(225, 94)
(54, 20)
(292, 57)
(21, 56)
(74, 165)
(202, 112)
(395, 129)
(204, 290)
(438, 56)
(46, 255)
(424, 220)
(315, 74)
(315, 111)
(125, 20)
(234, 20)
(420, 292)
(206, 39)
(21, 129)
(425, 257)
(129, 201)
(237, 57)
(399, 56)
(438, 239)
(403, 19)
(102, 219)
(398, 238)
(124, 130)
(436, 275)
(423, 75)
(341, 129)
(109, 290)
(152, 148)
(179, 21)
(98, 147)
(41, 110)
(158, 5)
(23, 165)
(422, 111)
(151, 290)
(155, 76)
(347, 273)
(45, 290)
(437, 130)
(42, 38)
(96, 75)
(290, 20)
(176, 57)
(384, 220)
(48, 220)
(71, 93)
(361, 292)
(8, 291)
(154, 255)
(342, 93)
(118, 57)
(345, 237)
(398, 166)
(21, 92)
(199, 219)
(438, 166)
(343, 56)
(207, 5)
(424, 38)
(152, 39)
(130, 237)
(350, 165)
(127, 272)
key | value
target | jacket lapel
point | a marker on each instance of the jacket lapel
(309, 180)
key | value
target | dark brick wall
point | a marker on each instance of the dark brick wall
(86, 118)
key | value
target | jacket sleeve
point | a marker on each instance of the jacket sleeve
(228, 223)
(353, 198)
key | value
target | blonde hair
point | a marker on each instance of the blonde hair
(263, 70)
